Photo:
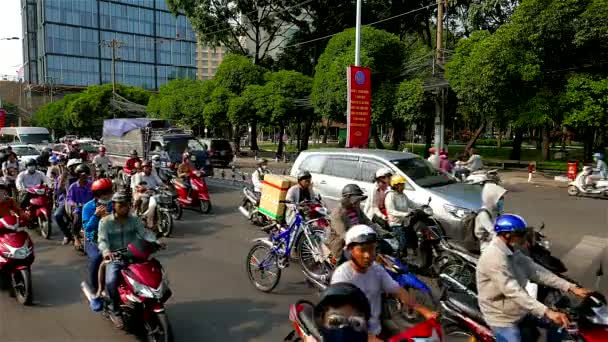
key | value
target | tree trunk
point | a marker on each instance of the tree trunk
(474, 138)
(396, 136)
(281, 133)
(237, 139)
(298, 135)
(376, 138)
(499, 142)
(326, 133)
(538, 133)
(519, 139)
(547, 142)
(428, 136)
(588, 143)
(253, 136)
(306, 133)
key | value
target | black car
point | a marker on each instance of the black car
(219, 151)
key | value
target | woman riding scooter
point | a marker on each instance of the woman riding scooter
(374, 207)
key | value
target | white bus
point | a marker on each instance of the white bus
(25, 135)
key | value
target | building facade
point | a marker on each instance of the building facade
(207, 61)
(68, 42)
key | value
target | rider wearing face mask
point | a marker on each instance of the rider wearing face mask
(29, 179)
(503, 272)
(492, 197)
(258, 175)
(8, 206)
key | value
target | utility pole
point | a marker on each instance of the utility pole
(440, 99)
(358, 35)
(114, 44)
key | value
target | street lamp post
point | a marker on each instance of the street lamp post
(358, 35)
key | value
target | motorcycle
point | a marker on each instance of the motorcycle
(160, 201)
(479, 177)
(301, 315)
(16, 258)
(577, 187)
(39, 209)
(143, 289)
(199, 195)
(249, 208)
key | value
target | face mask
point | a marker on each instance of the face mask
(103, 201)
(31, 169)
(345, 334)
(500, 206)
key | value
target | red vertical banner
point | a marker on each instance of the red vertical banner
(359, 106)
(2, 117)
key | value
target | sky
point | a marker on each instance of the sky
(10, 26)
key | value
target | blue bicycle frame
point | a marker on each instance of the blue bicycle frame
(287, 236)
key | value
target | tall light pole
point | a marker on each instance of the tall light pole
(358, 35)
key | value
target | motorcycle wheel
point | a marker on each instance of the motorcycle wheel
(165, 223)
(457, 333)
(22, 286)
(177, 211)
(573, 190)
(253, 267)
(306, 253)
(159, 331)
(45, 227)
(205, 206)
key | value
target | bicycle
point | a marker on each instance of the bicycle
(276, 249)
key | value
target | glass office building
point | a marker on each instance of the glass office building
(67, 42)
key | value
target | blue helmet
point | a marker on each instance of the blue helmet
(598, 155)
(509, 223)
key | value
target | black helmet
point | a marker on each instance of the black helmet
(133, 153)
(120, 197)
(353, 190)
(262, 161)
(339, 294)
(303, 174)
(83, 169)
(31, 162)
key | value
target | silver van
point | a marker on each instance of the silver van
(332, 169)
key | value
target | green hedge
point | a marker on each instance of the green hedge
(494, 142)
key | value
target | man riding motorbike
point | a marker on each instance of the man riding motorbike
(131, 162)
(92, 213)
(258, 175)
(371, 278)
(397, 208)
(116, 232)
(503, 272)
(144, 181)
(43, 158)
(374, 207)
(29, 179)
(298, 193)
(474, 163)
(73, 150)
(102, 163)
(79, 193)
(493, 200)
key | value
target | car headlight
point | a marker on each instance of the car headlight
(457, 212)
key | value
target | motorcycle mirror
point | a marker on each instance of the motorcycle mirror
(599, 274)
(429, 202)
(542, 226)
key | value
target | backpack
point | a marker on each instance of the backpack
(471, 241)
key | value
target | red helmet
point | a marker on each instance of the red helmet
(102, 184)
(102, 148)
(432, 150)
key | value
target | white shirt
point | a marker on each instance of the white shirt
(434, 160)
(474, 163)
(152, 181)
(397, 207)
(104, 162)
(27, 180)
(257, 177)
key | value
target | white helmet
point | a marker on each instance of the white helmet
(74, 162)
(587, 170)
(384, 172)
(360, 233)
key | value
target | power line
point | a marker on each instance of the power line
(374, 23)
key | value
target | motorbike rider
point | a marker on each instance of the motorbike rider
(444, 162)
(10, 169)
(66, 179)
(474, 163)
(73, 150)
(129, 167)
(116, 232)
(8, 205)
(371, 278)
(92, 213)
(342, 314)
(258, 175)
(29, 178)
(43, 158)
(102, 162)
(298, 193)
(433, 158)
(600, 167)
(503, 271)
(54, 171)
(145, 180)
(183, 172)
(397, 208)
(342, 219)
(5, 153)
(79, 193)
(374, 207)
(493, 203)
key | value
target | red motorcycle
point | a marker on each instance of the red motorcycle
(301, 315)
(199, 195)
(143, 290)
(40, 209)
(16, 258)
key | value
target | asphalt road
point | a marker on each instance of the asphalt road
(205, 260)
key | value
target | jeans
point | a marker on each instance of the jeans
(526, 330)
(112, 278)
(59, 216)
(95, 259)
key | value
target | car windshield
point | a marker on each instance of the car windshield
(422, 172)
(195, 145)
(25, 151)
(175, 148)
(38, 138)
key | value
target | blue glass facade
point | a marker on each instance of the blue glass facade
(70, 38)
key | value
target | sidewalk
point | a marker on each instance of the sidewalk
(538, 178)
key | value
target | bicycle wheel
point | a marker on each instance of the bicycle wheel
(311, 256)
(262, 267)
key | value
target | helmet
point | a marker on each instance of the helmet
(133, 153)
(339, 294)
(102, 184)
(398, 179)
(353, 190)
(120, 197)
(509, 223)
(432, 150)
(31, 162)
(261, 161)
(384, 172)
(359, 234)
(598, 155)
(83, 169)
(442, 152)
(303, 174)
(73, 162)
(102, 149)
(53, 159)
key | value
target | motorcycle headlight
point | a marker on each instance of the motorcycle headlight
(546, 244)
(428, 211)
(457, 212)
(140, 289)
(18, 253)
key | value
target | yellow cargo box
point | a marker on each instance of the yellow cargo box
(274, 190)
